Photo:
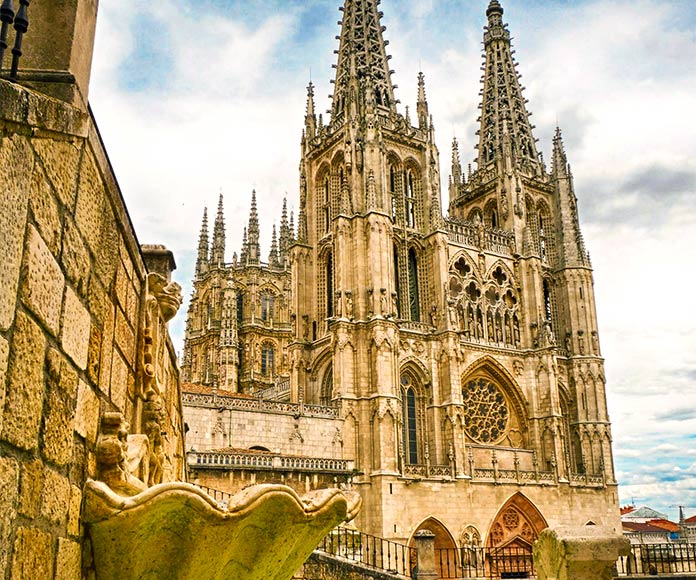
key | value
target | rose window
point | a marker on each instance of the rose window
(486, 414)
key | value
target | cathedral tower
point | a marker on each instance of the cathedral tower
(460, 354)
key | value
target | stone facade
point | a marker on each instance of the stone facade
(74, 310)
(460, 353)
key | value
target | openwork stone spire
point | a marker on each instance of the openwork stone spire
(503, 106)
(310, 116)
(217, 254)
(253, 246)
(202, 259)
(363, 63)
(422, 106)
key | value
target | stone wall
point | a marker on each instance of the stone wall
(73, 289)
(292, 432)
(323, 567)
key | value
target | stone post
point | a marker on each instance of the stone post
(159, 259)
(425, 550)
(58, 47)
(578, 553)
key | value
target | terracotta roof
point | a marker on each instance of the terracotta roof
(638, 527)
(664, 524)
(628, 509)
(206, 390)
(691, 520)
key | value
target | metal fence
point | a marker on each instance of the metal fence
(484, 563)
(369, 551)
(20, 20)
(658, 559)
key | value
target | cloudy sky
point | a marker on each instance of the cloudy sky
(197, 97)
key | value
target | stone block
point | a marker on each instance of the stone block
(93, 354)
(90, 201)
(75, 257)
(25, 385)
(76, 326)
(16, 163)
(60, 159)
(58, 428)
(74, 511)
(61, 372)
(43, 285)
(87, 413)
(68, 562)
(33, 555)
(98, 301)
(125, 338)
(121, 286)
(107, 259)
(55, 497)
(45, 209)
(4, 355)
(30, 485)
(9, 483)
(107, 349)
(578, 553)
(119, 381)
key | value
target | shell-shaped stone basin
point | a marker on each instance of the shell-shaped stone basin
(175, 531)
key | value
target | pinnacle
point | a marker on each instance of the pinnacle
(494, 8)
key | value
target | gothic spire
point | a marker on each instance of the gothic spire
(363, 63)
(574, 252)
(273, 255)
(245, 247)
(285, 235)
(310, 130)
(217, 254)
(253, 246)
(456, 179)
(422, 106)
(202, 259)
(503, 106)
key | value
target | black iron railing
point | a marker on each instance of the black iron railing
(658, 559)
(369, 551)
(20, 20)
(222, 497)
(484, 563)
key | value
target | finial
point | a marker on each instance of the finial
(494, 8)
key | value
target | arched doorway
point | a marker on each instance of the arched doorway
(446, 553)
(512, 534)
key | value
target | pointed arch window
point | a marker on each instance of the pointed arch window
(414, 301)
(267, 305)
(410, 415)
(326, 394)
(548, 304)
(240, 307)
(327, 203)
(393, 191)
(329, 286)
(267, 359)
(410, 199)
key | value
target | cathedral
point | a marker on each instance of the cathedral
(455, 350)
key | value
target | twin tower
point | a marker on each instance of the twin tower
(461, 351)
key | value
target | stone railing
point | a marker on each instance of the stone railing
(412, 326)
(586, 479)
(266, 461)
(469, 234)
(248, 404)
(428, 471)
(278, 392)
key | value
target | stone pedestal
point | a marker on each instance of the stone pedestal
(425, 549)
(578, 553)
(58, 47)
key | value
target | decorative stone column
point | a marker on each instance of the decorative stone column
(425, 550)
(578, 553)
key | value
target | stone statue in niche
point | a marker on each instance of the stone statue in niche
(383, 302)
(595, 343)
(112, 456)
(349, 305)
(434, 317)
(568, 342)
(452, 314)
(370, 303)
(305, 326)
(152, 420)
(394, 307)
(581, 342)
(338, 310)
